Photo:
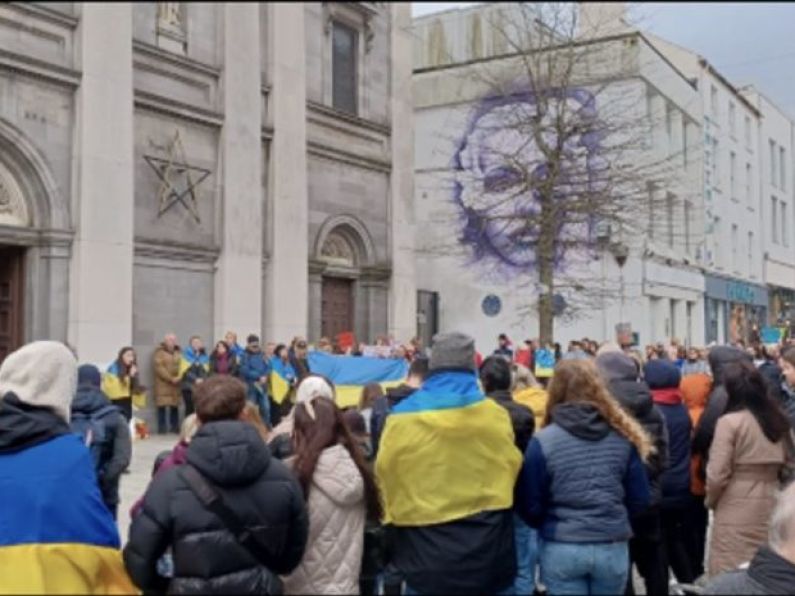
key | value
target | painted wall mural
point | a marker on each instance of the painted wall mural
(497, 165)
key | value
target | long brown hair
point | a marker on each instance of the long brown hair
(252, 416)
(578, 381)
(312, 436)
(370, 393)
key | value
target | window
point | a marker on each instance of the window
(652, 210)
(732, 120)
(669, 127)
(734, 248)
(715, 162)
(669, 209)
(343, 68)
(751, 253)
(782, 168)
(717, 258)
(748, 183)
(713, 102)
(688, 213)
(774, 218)
(773, 176)
(748, 132)
(784, 230)
(732, 176)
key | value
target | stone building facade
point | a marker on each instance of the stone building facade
(201, 167)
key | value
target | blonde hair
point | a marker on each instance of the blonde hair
(189, 428)
(578, 381)
(522, 378)
(252, 416)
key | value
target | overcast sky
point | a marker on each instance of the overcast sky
(748, 42)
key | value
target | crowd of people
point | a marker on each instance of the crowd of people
(474, 475)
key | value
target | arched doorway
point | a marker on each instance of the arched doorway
(13, 214)
(348, 283)
(337, 301)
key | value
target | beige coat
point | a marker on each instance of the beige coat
(337, 511)
(166, 367)
(742, 482)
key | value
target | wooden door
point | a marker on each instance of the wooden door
(337, 306)
(11, 299)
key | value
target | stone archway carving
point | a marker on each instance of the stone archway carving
(344, 240)
(13, 208)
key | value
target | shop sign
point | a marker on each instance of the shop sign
(740, 292)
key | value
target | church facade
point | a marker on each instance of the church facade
(204, 167)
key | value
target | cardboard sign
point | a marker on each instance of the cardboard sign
(770, 335)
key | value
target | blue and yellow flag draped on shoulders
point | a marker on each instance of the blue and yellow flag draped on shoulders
(282, 377)
(190, 357)
(447, 452)
(351, 373)
(56, 535)
(117, 388)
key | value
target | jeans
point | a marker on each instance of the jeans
(526, 556)
(258, 397)
(167, 419)
(697, 518)
(569, 568)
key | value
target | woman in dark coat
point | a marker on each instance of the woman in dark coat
(223, 361)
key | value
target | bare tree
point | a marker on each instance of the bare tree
(560, 161)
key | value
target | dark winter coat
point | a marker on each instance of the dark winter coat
(207, 557)
(116, 456)
(381, 408)
(787, 397)
(522, 418)
(768, 573)
(635, 397)
(581, 480)
(233, 366)
(719, 358)
(195, 372)
(253, 366)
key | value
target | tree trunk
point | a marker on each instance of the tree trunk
(546, 315)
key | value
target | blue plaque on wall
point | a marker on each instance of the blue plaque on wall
(492, 305)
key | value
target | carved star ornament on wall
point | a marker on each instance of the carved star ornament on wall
(178, 180)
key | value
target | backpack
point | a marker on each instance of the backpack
(94, 431)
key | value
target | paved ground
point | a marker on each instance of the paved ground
(133, 485)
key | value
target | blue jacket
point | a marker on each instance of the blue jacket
(675, 480)
(253, 366)
(581, 480)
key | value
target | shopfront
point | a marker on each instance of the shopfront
(734, 310)
(782, 309)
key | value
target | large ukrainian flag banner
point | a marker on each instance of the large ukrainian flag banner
(56, 536)
(282, 376)
(351, 373)
(447, 452)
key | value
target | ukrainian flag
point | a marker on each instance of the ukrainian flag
(189, 358)
(351, 373)
(56, 535)
(545, 363)
(116, 388)
(446, 453)
(282, 376)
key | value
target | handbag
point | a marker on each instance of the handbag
(247, 537)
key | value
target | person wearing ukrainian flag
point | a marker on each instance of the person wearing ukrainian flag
(57, 534)
(446, 467)
(120, 383)
(194, 368)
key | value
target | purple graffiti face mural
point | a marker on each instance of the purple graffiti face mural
(500, 163)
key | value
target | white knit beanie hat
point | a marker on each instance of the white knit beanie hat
(312, 387)
(41, 374)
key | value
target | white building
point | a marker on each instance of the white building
(777, 186)
(736, 297)
(662, 289)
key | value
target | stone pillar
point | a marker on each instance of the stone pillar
(676, 145)
(657, 117)
(287, 284)
(403, 290)
(101, 272)
(238, 279)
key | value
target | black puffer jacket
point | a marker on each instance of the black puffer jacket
(522, 419)
(719, 358)
(635, 397)
(207, 557)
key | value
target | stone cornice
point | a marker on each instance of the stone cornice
(33, 67)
